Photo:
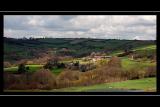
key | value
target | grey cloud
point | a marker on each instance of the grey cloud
(75, 26)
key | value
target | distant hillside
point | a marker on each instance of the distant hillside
(15, 49)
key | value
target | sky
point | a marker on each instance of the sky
(140, 27)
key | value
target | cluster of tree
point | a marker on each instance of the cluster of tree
(128, 48)
(125, 53)
(87, 67)
(54, 62)
(22, 68)
(45, 79)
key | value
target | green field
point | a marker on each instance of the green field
(149, 47)
(140, 85)
(57, 70)
(129, 64)
(141, 49)
(146, 84)
(32, 68)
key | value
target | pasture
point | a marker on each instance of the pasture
(128, 64)
(146, 84)
(32, 68)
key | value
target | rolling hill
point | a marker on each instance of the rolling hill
(16, 49)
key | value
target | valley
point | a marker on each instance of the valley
(54, 64)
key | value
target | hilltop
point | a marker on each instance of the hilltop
(16, 49)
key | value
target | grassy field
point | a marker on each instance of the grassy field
(140, 85)
(57, 70)
(126, 64)
(129, 64)
(146, 84)
(149, 48)
(32, 68)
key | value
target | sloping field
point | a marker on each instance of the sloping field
(140, 85)
(129, 64)
(146, 84)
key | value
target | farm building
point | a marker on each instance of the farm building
(98, 56)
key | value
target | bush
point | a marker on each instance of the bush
(61, 65)
(82, 68)
(135, 73)
(114, 62)
(102, 62)
(151, 71)
(69, 75)
(67, 78)
(48, 65)
(22, 68)
(45, 79)
(6, 64)
(16, 81)
(125, 54)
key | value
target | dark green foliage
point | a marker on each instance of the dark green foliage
(49, 65)
(61, 65)
(75, 47)
(27, 68)
(22, 68)
(83, 68)
(54, 63)
(128, 48)
(76, 63)
(125, 53)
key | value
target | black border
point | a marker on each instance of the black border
(81, 13)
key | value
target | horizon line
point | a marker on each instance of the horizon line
(78, 38)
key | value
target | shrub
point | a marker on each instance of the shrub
(69, 75)
(82, 68)
(67, 78)
(135, 73)
(45, 79)
(125, 54)
(15, 81)
(48, 65)
(61, 65)
(6, 64)
(151, 71)
(102, 62)
(22, 68)
(76, 63)
(114, 62)
(8, 80)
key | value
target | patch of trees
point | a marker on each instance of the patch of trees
(145, 54)
(65, 52)
(22, 68)
(87, 67)
(45, 79)
(125, 54)
(80, 67)
(127, 51)
(54, 62)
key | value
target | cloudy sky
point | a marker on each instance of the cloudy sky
(141, 27)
